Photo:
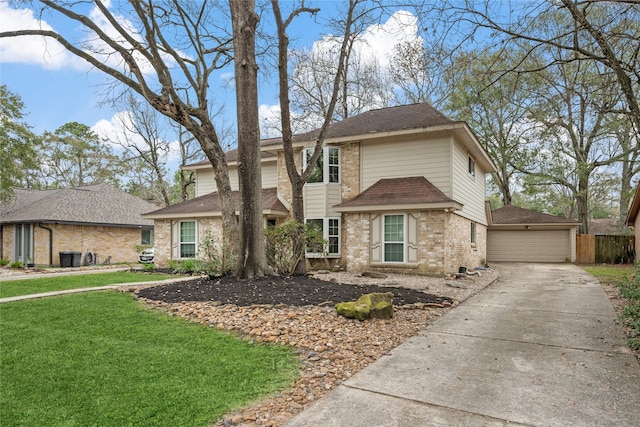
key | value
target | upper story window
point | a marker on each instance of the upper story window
(472, 167)
(323, 171)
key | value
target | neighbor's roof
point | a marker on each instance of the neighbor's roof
(97, 204)
(514, 215)
(635, 207)
(209, 205)
(412, 192)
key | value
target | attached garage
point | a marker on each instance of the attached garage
(521, 235)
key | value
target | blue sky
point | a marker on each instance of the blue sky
(57, 88)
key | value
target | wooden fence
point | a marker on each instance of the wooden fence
(592, 249)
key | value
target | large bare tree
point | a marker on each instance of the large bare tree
(166, 51)
(296, 178)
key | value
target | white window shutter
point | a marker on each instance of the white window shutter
(412, 238)
(175, 240)
(376, 240)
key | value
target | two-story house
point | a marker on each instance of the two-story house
(399, 189)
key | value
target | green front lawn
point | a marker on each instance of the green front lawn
(12, 288)
(102, 359)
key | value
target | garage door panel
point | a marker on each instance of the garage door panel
(528, 246)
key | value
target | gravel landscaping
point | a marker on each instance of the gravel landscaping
(299, 312)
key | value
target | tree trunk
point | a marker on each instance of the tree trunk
(582, 204)
(252, 261)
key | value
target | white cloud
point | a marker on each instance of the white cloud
(116, 132)
(43, 51)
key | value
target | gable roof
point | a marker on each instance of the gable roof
(635, 207)
(395, 193)
(511, 215)
(209, 206)
(97, 204)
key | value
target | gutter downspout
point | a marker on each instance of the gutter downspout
(50, 243)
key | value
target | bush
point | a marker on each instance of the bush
(284, 248)
(217, 259)
(4, 262)
(16, 264)
(185, 266)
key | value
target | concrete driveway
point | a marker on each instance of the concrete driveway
(540, 347)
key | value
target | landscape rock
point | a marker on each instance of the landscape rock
(377, 305)
(374, 275)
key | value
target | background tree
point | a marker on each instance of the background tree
(73, 155)
(143, 141)
(161, 50)
(496, 106)
(18, 145)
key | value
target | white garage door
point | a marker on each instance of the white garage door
(528, 246)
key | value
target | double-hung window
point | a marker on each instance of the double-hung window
(330, 228)
(394, 238)
(187, 239)
(146, 237)
(327, 168)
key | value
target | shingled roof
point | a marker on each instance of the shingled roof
(410, 191)
(97, 204)
(209, 205)
(402, 117)
(515, 215)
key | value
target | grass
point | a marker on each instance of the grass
(11, 288)
(102, 359)
(627, 278)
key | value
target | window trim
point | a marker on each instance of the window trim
(180, 242)
(325, 236)
(471, 166)
(151, 236)
(404, 239)
(326, 166)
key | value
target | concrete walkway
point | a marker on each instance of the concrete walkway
(540, 347)
(76, 290)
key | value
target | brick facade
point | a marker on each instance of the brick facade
(117, 242)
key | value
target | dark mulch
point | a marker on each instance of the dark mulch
(296, 291)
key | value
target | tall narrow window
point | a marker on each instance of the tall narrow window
(187, 239)
(333, 236)
(394, 238)
(473, 232)
(472, 166)
(334, 165)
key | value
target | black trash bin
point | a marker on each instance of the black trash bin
(77, 259)
(65, 259)
(70, 259)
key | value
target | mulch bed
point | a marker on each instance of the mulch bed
(274, 290)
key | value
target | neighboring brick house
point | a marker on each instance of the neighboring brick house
(36, 225)
(398, 189)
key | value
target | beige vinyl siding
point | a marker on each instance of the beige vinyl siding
(206, 180)
(319, 199)
(399, 159)
(468, 189)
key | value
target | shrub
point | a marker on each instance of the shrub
(4, 262)
(216, 258)
(284, 248)
(16, 264)
(148, 267)
(185, 266)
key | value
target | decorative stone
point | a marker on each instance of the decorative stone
(377, 305)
